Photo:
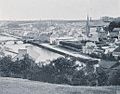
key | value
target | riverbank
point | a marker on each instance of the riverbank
(64, 52)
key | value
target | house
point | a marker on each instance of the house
(102, 34)
(20, 55)
(93, 35)
(119, 36)
(89, 48)
(56, 40)
(98, 52)
(116, 52)
(109, 49)
(43, 37)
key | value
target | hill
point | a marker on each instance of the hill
(23, 86)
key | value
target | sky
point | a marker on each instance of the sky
(57, 9)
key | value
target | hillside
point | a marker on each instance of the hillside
(23, 86)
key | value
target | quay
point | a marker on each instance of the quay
(53, 48)
(11, 51)
(78, 56)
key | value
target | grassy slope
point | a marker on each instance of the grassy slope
(22, 86)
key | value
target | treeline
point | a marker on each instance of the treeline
(60, 71)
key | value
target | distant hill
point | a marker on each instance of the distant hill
(23, 86)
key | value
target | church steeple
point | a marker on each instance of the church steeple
(87, 26)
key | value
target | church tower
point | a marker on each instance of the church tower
(87, 26)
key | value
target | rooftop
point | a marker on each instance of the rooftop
(117, 49)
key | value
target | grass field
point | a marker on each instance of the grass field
(23, 86)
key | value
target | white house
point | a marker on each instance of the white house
(56, 40)
(109, 49)
(93, 35)
(20, 55)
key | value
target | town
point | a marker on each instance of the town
(59, 47)
(74, 52)
(88, 39)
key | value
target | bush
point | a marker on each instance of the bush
(79, 78)
(114, 77)
(102, 77)
(19, 68)
(5, 66)
(61, 71)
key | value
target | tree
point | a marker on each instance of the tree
(60, 70)
(79, 78)
(64, 66)
(22, 68)
(5, 66)
(114, 77)
(102, 76)
(25, 65)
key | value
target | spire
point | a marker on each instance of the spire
(87, 26)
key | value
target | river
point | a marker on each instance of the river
(37, 53)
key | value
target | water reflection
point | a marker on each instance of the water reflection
(37, 53)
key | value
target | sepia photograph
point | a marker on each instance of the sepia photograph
(59, 46)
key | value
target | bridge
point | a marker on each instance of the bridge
(17, 40)
(5, 41)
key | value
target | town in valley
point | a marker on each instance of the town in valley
(92, 40)
(90, 46)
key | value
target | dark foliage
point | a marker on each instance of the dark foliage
(114, 77)
(114, 24)
(79, 78)
(61, 71)
(102, 77)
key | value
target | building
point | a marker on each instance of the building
(93, 35)
(72, 45)
(89, 48)
(109, 49)
(20, 55)
(102, 34)
(44, 37)
(56, 40)
(87, 26)
(116, 52)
